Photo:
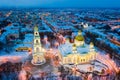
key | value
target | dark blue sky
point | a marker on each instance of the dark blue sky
(59, 3)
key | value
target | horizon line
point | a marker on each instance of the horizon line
(57, 7)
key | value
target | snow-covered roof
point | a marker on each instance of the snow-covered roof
(63, 27)
(65, 49)
(9, 30)
(84, 49)
(47, 29)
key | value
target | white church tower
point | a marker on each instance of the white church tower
(38, 55)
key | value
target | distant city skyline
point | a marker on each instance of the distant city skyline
(60, 3)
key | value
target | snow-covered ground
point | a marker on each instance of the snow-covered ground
(13, 57)
(81, 67)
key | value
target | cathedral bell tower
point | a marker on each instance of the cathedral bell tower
(38, 55)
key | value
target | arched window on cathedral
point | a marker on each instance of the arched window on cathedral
(37, 41)
(36, 33)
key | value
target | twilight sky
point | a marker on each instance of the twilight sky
(60, 3)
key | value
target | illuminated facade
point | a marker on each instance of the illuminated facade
(80, 58)
(77, 58)
(38, 55)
